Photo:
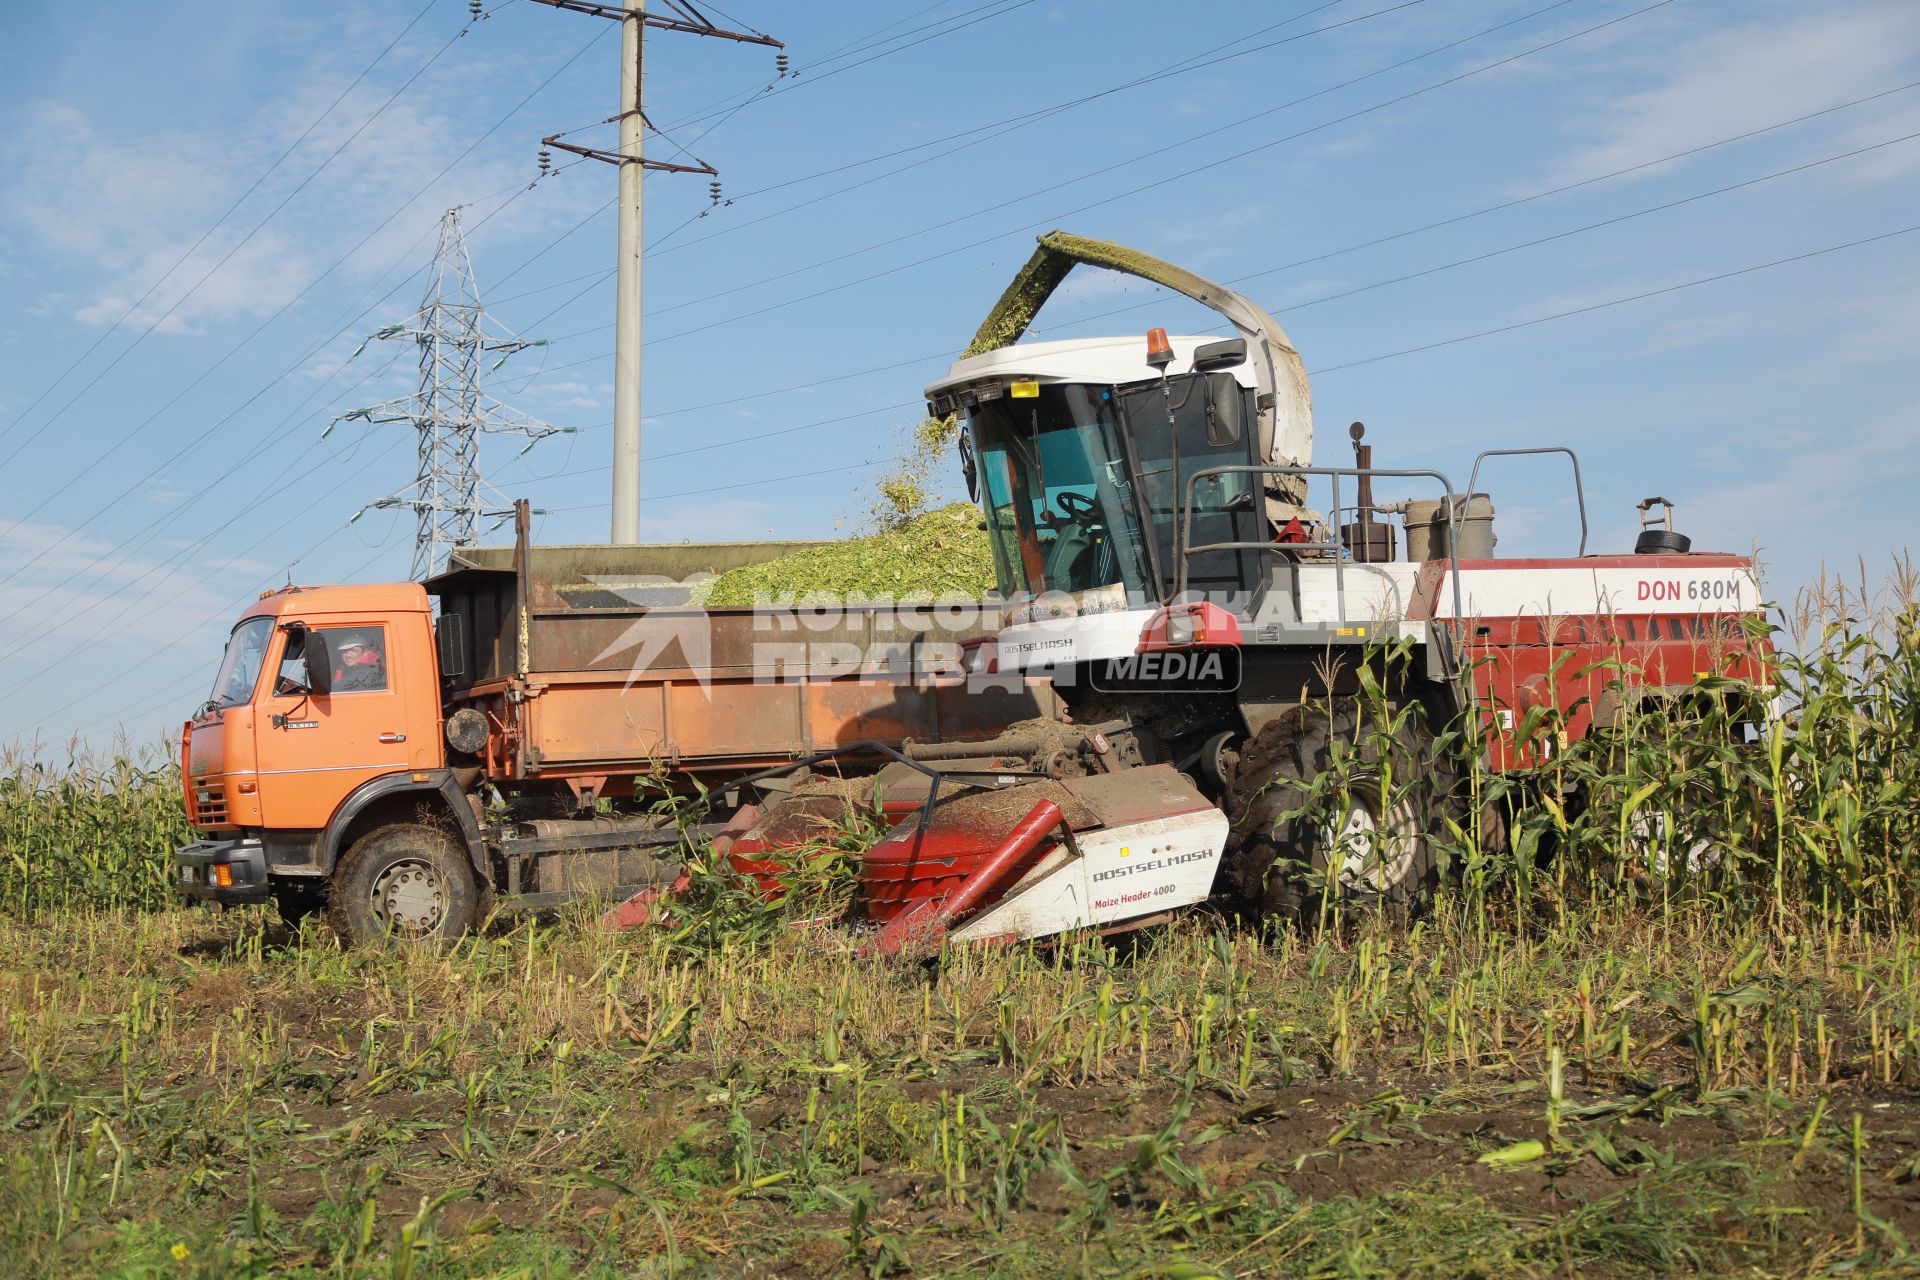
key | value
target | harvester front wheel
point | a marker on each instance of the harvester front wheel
(404, 883)
(1324, 807)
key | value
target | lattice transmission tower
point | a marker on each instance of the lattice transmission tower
(450, 411)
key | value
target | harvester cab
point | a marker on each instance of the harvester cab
(1081, 452)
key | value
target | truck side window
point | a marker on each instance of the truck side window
(359, 661)
(359, 658)
(292, 677)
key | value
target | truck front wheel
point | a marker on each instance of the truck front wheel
(405, 883)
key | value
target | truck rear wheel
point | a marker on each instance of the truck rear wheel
(406, 883)
(1367, 840)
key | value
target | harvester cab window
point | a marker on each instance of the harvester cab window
(1055, 487)
(1226, 508)
(240, 669)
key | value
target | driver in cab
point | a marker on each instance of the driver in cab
(360, 667)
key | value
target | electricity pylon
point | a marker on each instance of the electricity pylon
(450, 411)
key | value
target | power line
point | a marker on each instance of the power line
(1429, 346)
(1192, 62)
(228, 255)
(997, 128)
(1350, 292)
(110, 505)
(1617, 302)
(1012, 124)
(1454, 220)
(268, 441)
(103, 633)
(1536, 241)
(1056, 219)
(219, 222)
(811, 80)
(61, 620)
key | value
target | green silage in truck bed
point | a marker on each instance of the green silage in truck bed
(940, 553)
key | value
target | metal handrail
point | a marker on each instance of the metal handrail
(1184, 529)
(1183, 532)
(1579, 489)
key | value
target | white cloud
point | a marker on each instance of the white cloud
(119, 203)
(1766, 70)
(570, 395)
(228, 280)
(80, 593)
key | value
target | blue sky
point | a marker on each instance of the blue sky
(880, 199)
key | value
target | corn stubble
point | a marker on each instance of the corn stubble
(1672, 1030)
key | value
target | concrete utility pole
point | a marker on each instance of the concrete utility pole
(628, 316)
(450, 412)
(682, 16)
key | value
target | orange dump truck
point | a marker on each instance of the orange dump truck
(403, 767)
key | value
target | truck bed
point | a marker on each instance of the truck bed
(588, 662)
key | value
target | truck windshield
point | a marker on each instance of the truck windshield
(1064, 502)
(240, 669)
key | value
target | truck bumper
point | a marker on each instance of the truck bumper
(245, 858)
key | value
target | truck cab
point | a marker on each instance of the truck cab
(323, 698)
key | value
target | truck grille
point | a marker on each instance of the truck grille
(209, 807)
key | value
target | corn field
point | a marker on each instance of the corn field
(90, 833)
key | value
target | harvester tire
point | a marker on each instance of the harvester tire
(407, 883)
(1289, 847)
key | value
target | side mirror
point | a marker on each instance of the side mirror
(1226, 409)
(319, 663)
(969, 466)
(1228, 353)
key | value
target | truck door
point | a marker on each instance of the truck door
(314, 750)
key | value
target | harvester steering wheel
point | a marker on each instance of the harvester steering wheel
(1077, 506)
